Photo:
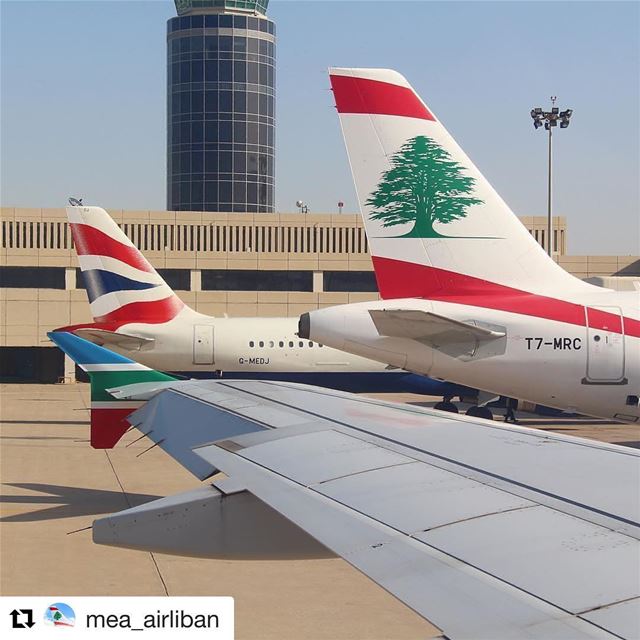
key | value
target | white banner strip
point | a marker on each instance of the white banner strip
(80, 617)
(116, 366)
(107, 263)
(112, 301)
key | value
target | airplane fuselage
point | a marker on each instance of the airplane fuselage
(585, 359)
(198, 345)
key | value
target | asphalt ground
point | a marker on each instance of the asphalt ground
(54, 484)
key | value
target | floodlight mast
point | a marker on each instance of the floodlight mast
(550, 119)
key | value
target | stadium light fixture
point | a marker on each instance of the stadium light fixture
(550, 119)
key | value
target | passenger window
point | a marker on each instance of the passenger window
(261, 343)
(320, 345)
(311, 344)
(301, 344)
(252, 344)
(281, 344)
(290, 344)
(271, 344)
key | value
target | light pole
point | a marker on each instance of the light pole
(550, 119)
(302, 206)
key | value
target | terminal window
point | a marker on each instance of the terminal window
(256, 280)
(32, 277)
(346, 281)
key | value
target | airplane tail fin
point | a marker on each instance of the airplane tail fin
(106, 370)
(435, 225)
(122, 286)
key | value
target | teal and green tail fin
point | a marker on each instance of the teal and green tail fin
(106, 370)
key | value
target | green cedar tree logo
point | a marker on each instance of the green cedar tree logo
(424, 186)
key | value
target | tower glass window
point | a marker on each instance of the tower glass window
(220, 107)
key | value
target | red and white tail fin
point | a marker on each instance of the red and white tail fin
(434, 223)
(122, 286)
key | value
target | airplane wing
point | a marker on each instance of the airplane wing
(458, 339)
(487, 530)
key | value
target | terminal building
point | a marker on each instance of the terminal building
(239, 264)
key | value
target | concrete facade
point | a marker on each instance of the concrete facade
(201, 241)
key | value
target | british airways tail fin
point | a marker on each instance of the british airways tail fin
(434, 223)
(106, 370)
(122, 286)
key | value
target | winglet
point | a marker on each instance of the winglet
(106, 370)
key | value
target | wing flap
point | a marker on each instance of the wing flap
(621, 618)
(418, 497)
(310, 458)
(547, 553)
(459, 598)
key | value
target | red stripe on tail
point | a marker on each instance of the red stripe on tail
(90, 241)
(360, 95)
(150, 312)
(108, 426)
(398, 279)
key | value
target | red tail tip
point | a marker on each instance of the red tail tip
(108, 426)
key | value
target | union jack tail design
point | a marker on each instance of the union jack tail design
(122, 286)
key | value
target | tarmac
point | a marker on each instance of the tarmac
(54, 484)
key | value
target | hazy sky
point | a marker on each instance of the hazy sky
(83, 101)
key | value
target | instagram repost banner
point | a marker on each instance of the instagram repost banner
(35, 618)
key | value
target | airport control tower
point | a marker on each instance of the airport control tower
(220, 106)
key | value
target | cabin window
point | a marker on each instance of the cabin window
(261, 343)
(271, 344)
(281, 344)
(252, 344)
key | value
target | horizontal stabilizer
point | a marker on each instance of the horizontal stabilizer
(196, 524)
(428, 327)
(103, 337)
(453, 337)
